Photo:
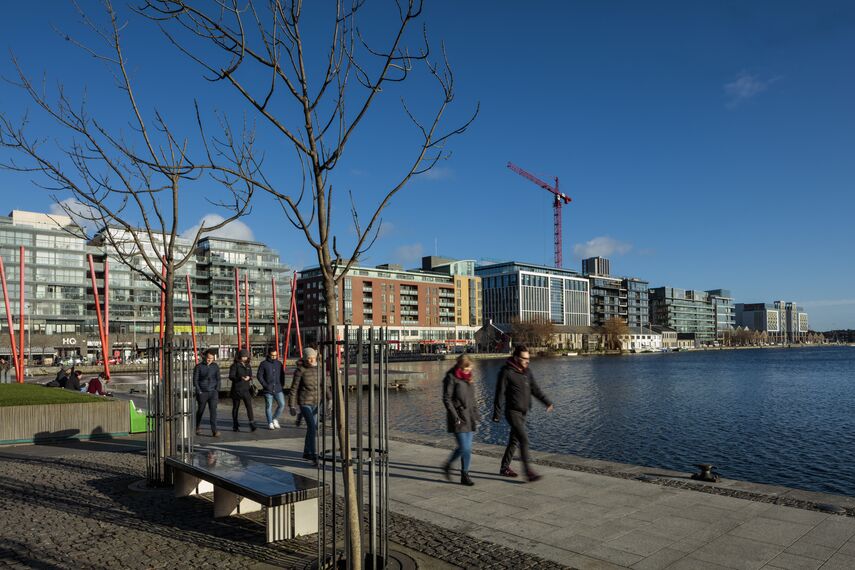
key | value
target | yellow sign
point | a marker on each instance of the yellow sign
(184, 329)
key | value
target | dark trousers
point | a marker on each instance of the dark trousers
(237, 398)
(518, 437)
(310, 413)
(210, 399)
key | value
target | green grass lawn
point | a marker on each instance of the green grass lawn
(33, 395)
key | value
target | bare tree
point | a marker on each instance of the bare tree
(613, 329)
(533, 332)
(266, 57)
(125, 189)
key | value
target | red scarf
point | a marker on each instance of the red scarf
(463, 375)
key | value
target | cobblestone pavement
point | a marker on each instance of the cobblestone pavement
(64, 509)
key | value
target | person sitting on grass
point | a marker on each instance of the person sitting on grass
(73, 381)
(96, 385)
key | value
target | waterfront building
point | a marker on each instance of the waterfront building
(669, 336)
(467, 287)
(782, 321)
(615, 297)
(707, 314)
(517, 291)
(60, 317)
(641, 339)
(419, 308)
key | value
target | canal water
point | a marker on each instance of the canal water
(779, 416)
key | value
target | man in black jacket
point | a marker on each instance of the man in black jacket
(206, 381)
(271, 375)
(514, 390)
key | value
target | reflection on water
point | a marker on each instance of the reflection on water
(774, 416)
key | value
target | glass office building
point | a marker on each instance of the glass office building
(527, 292)
(707, 314)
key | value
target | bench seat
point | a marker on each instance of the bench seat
(241, 485)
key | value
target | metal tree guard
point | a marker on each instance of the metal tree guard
(366, 420)
(176, 360)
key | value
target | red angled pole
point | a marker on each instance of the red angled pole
(246, 307)
(21, 324)
(109, 350)
(296, 317)
(98, 316)
(287, 350)
(16, 361)
(276, 317)
(237, 309)
(192, 321)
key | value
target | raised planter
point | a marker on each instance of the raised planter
(55, 422)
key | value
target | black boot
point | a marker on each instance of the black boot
(465, 479)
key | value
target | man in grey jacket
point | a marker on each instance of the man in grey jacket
(206, 381)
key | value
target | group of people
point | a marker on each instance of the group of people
(302, 396)
(515, 391)
(72, 379)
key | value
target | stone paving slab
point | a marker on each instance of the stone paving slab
(588, 520)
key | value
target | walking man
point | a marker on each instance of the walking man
(271, 374)
(4, 371)
(514, 390)
(206, 381)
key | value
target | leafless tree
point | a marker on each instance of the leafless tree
(613, 329)
(124, 188)
(533, 332)
(265, 55)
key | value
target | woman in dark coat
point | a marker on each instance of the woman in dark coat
(240, 373)
(458, 396)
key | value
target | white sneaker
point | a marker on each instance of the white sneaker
(271, 426)
(276, 424)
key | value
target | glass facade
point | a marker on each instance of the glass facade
(519, 291)
(705, 313)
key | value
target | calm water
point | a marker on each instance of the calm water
(783, 416)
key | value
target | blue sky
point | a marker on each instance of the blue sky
(704, 145)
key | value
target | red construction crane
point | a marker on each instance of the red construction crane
(560, 200)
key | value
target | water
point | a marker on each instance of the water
(784, 416)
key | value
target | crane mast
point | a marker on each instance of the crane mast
(559, 199)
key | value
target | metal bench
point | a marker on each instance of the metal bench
(241, 486)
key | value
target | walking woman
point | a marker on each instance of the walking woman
(305, 393)
(240, 373)
(458, 395)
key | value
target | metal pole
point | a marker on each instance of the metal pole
(162, 313)
(108, 350)
(12, 343)
(246, 307)
(297, 318)
(98, 315)
(21, 323)
(276, 318)
(372, 459)
(237, 309)
(192, 321)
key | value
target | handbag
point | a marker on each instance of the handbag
(253, 388)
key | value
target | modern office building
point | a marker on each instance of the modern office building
(615, 297)
(781, 321)
(60, 318)
(516, 291)
(707, 314)
(419, 308)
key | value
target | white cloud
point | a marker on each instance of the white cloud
(234, 230)
(408, 254)
(79, 212)
(438, 173)
(746, 86)
(603, 246)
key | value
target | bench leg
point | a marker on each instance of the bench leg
(186, 485)
(227, 504)
(290, 521)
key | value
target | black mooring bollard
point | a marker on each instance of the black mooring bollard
(706, 473)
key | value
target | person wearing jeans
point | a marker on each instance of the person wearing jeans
(271, 374)
(305, 393)
(458, 397)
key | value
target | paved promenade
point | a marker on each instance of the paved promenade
(587, 520)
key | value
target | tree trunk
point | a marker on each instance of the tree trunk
(352, 513)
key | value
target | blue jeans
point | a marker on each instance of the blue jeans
(268, 406)
(463, 451)
(310, 414)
